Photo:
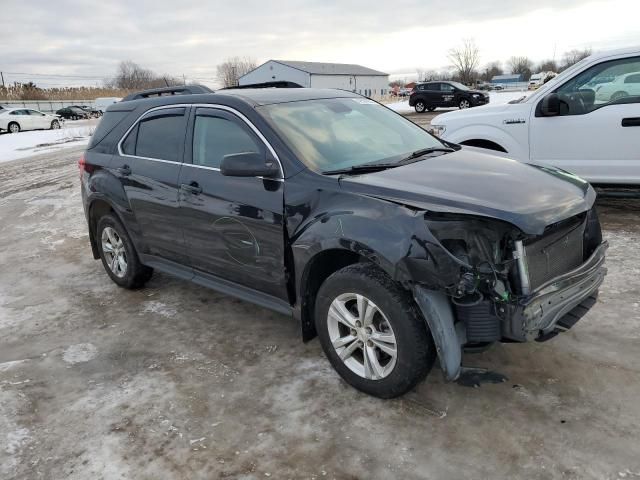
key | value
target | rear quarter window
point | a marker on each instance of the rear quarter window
(107, 123)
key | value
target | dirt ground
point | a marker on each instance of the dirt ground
(176, 381)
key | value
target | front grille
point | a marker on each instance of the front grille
(559, 251)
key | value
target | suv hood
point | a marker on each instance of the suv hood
(527, 196)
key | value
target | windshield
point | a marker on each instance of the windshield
(459, 86)
(337, 133)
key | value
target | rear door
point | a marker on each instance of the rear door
(233, 226)
(23, 118)
(596, 135)
(148, 167)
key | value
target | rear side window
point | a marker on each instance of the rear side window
(215, 137)
(107, 123)
(159, 136)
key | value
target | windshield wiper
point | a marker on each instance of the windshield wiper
(364, 168)
(422, 152)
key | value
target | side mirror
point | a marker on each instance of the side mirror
(550, 105)
(248, 164)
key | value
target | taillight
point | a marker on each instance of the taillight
(83, 166)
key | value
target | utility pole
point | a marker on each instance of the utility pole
(184, 79)
(2, 75)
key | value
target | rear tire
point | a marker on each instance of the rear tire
(118, 254)
(399, 349)
(13, 127)
(431, 109)
(420, 106)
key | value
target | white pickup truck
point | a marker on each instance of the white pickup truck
(573, 122)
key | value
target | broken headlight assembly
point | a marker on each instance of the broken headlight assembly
(481, 250)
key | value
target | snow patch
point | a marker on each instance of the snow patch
(160, 309)
(79, 353)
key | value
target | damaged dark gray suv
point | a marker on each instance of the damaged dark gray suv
(390, 245)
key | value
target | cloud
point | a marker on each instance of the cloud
(191, 37)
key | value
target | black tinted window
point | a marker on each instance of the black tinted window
(107, 123)
(160, 137)
(215, 137)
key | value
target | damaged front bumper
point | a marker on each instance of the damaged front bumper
(538, 313)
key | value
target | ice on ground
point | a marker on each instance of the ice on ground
(24, 144)
(80, 353)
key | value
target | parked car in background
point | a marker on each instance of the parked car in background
(623, 86)
(73, 113)
(392, 246)
(428, 96)
(102, 103)
(93, 112)
(14, 120)
(566, 123)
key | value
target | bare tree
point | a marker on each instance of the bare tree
(131, 76)
(465, 60)
(491, 70)
(574, 56)
(521, 65)
(229, 71)
(548, 66)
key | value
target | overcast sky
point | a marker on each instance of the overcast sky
(89, 38)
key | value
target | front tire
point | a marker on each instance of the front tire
(420, 106)
(118, 255)
(55, 125)
(372, 333)
(13, 127)
(464, 103)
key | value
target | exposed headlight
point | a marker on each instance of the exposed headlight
(476, 95)
(437, 130)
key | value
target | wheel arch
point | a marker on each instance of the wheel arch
(317, 269)
(97, 208)
(483, 143)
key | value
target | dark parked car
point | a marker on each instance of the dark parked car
(73, 113)
(90, 110)
(430, 95)
(392, 246)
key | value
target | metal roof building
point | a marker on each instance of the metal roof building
(344, 76)
(511, 78)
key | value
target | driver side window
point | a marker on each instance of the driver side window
(616, 81)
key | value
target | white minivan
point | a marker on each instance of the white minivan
(565, 123)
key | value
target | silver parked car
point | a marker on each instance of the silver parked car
(14, 120)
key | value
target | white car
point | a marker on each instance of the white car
(623, 86)
(14, 120)
(565, 123)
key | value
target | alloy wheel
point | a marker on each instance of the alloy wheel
(464, 104)
(114, 252)
(14, 128)
(362, 336)
(420, 107)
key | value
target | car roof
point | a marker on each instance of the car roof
(252, 96)
(266, 96)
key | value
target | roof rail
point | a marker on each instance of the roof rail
(175, 90)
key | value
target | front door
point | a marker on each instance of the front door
(149, 167)
(597, 134)
(233, 226)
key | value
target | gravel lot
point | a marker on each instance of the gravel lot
(176, 381)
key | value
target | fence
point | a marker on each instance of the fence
(47, 106)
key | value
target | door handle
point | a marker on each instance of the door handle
(192, 188)
(124, 170)
(631, 122)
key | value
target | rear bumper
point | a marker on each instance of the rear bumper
(540, 313)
